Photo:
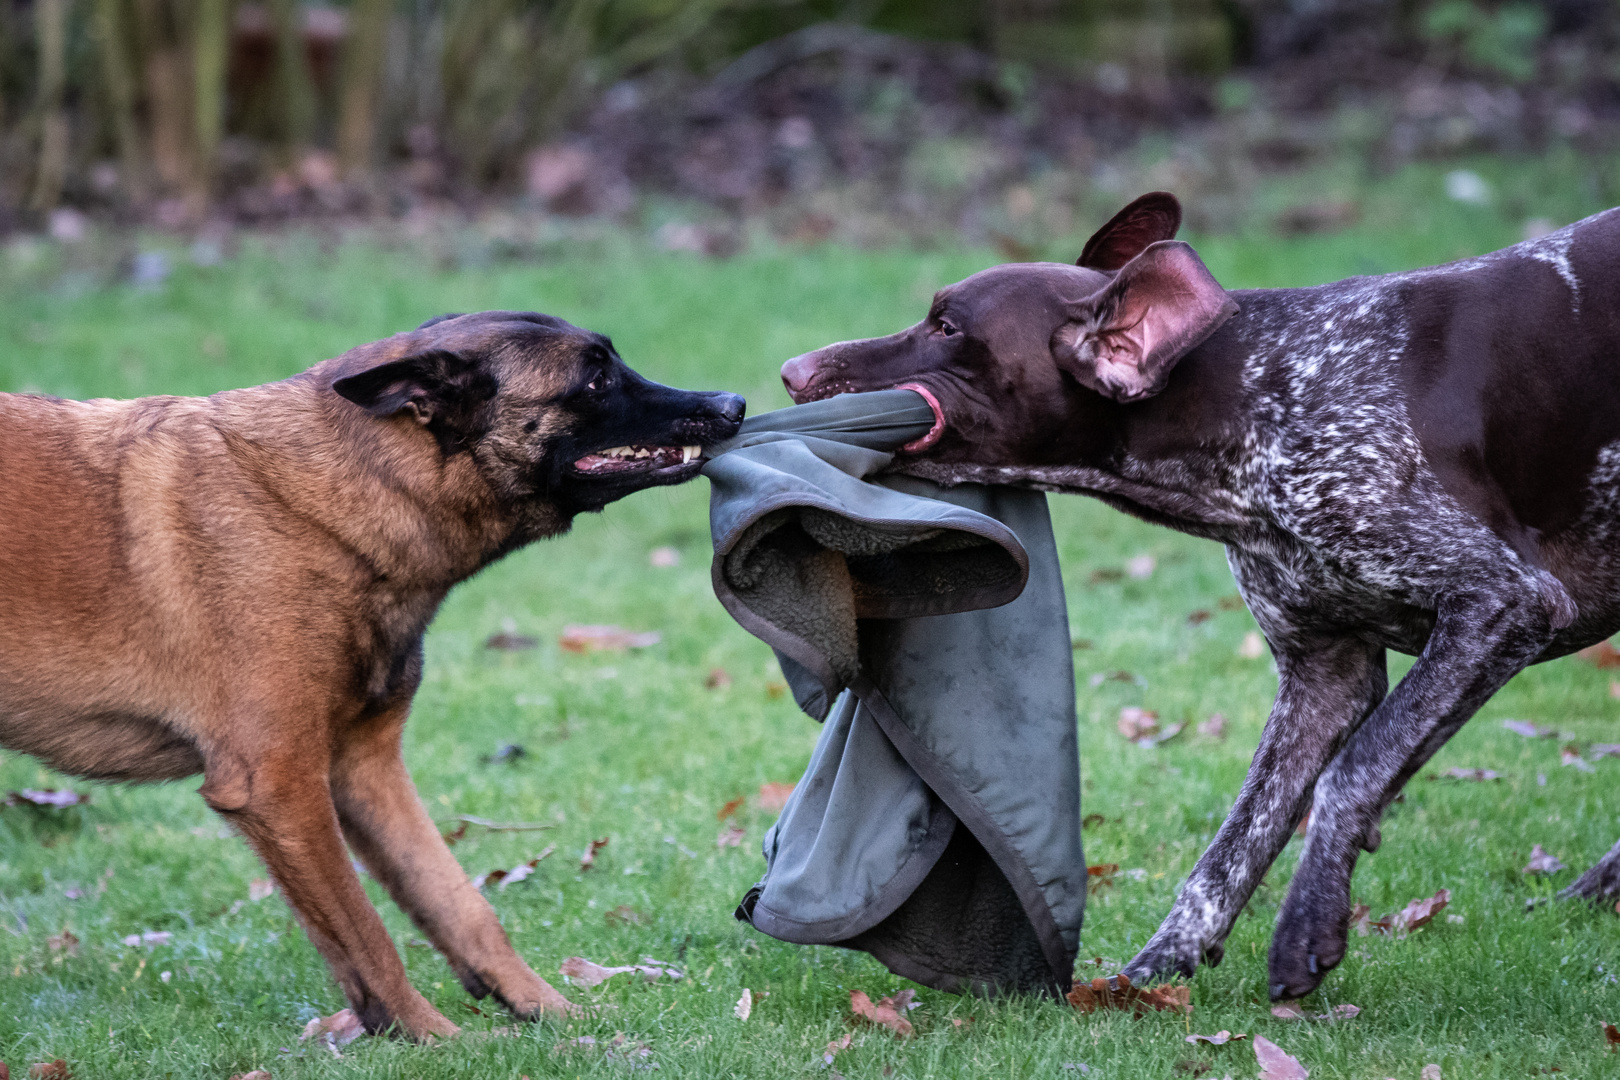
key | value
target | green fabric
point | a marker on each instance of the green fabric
(899, 612)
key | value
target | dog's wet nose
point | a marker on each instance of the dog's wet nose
(729, 407)
(797, 372)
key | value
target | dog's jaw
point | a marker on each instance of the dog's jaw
(917, 446)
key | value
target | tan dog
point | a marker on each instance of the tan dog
(238, 585)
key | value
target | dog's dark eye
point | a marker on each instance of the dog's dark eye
(947, 329)
(532, 426)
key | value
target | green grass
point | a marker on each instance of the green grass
(634, 747)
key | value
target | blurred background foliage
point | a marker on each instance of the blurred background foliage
(866, 121)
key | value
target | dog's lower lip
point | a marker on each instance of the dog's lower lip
(917, 446)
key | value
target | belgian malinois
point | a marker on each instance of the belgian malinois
(238, 585)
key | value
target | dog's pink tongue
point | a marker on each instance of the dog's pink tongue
(917, 446)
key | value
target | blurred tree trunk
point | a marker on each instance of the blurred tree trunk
(362, 81)
(210, 48)
(168, 94)
(50, 36)
(112, 42)
(294, 87)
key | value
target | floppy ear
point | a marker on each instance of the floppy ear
(1154, 217)
(441, 390)
(1123, 339)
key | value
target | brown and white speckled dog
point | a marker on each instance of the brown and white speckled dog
(238, 585)
(1427, 462)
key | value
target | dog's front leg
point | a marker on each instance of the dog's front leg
(282, 803)
(1479, 642)
(1324, 691)
(390, 830)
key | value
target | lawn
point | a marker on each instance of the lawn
(636, 748)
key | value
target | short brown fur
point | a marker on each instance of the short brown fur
(239, 585)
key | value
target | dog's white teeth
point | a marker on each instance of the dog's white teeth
(690, 453)
(617, 451)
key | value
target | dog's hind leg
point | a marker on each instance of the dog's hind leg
(1600, 883)
(1325, 690)
(283, 806)
(1479, 642)
(390, 830)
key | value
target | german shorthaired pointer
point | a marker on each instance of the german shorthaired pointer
(1427, 462)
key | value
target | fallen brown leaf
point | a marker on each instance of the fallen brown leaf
(1092, 819)
(514, 875)
(339, 1029)
(256, 1074)
(67, 941)
(730, 808)
(1430, 1072)
(730, 836)
(1292, 1010)
(775, 688)
(587, 973)
(1136, 723)
(962, 1022)
(1118, 993)
(1611, 1036)
(833, 1048)
(717, 679)
(587, 858)
(506, 641)
(745, 1005)
(1455, 773)
(585, 639)
(1214, 727)
(1601, 655)
(889, 1012)
(1529, 730)
(1603, 750)
(1571, 755)
(1543, 863)
(1220, 1038)
(773, 796)
(49, 798)
(50, 1070)
(625, 915)
(1420, 911)
(1200, 616)
(1230, 603)
(1276, 1063)
(1080, 644)
(1105, 575)
(1101, 876)
(1361, 919)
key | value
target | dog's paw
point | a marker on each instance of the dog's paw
(1310, 942)
(544, 1002)
(1163, 959)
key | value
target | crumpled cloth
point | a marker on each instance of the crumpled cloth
(937, 825)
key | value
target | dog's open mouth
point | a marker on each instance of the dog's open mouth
(917, 446)
(619, 460)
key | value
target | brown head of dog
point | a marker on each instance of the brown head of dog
(1027, 364)
(238, 585)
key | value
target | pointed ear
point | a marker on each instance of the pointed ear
(1123, 339)
(1154, 217)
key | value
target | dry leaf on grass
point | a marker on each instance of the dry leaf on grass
(587, 858)
(1571, 755)
(1455, 773)
(1135, 723)
(1276, 1063)
(1420, 911)
(149, 938)
(256, 1074)
(1611, 1035)
(833, 1048)
(775, 688)
(584, 639)
(514, 875)
(260, 889)
(625, 915)
(1220, 1038)
(1214, 727)
(730, 808)
(773, 796)
(1200, 616)
(1603, 749)
(1118, 993)
(1543, 863)
(717, 679)
(889, 1012)
(507, 641)
(730, 836)
(1529, 730)
(66, 941)
(1292, 1010)
(339, 1029)
(745, 1004)
(50, 1070)
(1430, 1072)
(588, 974)
(1601, 655)
(619, 1050)
(1101, 876)
(49, 798)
